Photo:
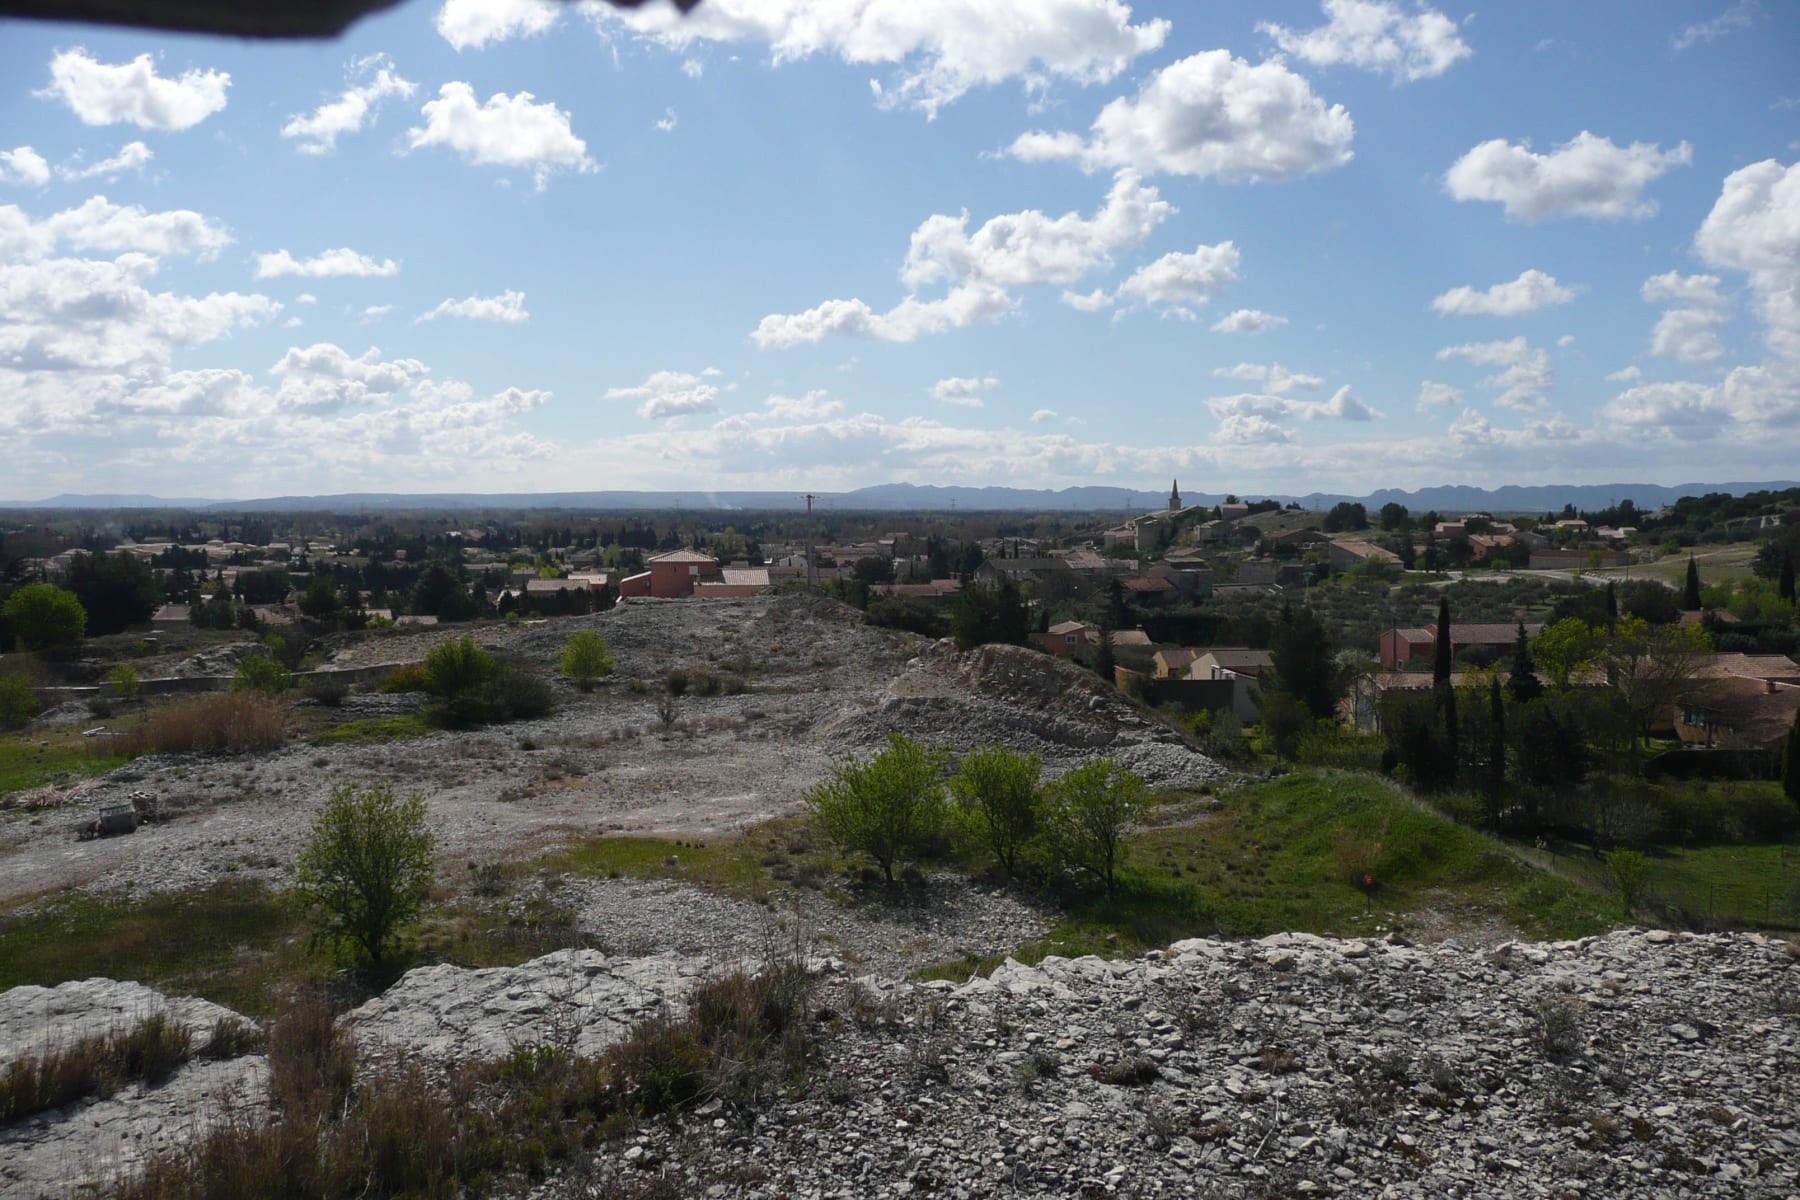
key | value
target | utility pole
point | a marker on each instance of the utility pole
(812, 570)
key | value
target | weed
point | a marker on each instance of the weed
(149, 1052)
(222, 722)
(1559, 1033)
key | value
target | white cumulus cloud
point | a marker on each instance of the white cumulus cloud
(1754, 227)
(1212, 116)
(371, 80)
(467, 24)
(340, 261)
(132, 156)
(671, 394)
(1586, 176)
(940, 49)
(1689, 334)
(964, 391)
(1674, 287)
(99, 224)
(23, 165)
(1011, 250)
(1532, 290)
(1376, 36)
(1179, 283)
(1247, 320)
(506, 131)
(508, 307)
(133, 93)
(1273, 376)
(1435, 396)
(1525, 374)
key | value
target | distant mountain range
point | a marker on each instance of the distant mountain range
(905, 497)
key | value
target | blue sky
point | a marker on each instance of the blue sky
(784, 244)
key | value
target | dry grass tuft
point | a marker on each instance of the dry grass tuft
(221, 722)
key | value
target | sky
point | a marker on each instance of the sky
(1320, 245)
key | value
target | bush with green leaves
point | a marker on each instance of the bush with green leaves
(586, 658)
(260, 673)
(124, 681)
(996, 790)
(1630, 871)
(1089, 811)
(43, 615)
(458, 667)
(888, 809)
(18, 701)
(366, 870)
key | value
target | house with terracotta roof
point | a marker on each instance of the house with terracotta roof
(672, 575)
(1066, 637)
(1412, 649)
(1347, 555)
(1741, 701)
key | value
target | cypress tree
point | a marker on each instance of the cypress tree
(1785, 589)
(1690, 594)
(1612, 606)
(1103, 657)
(1523, 685)
(1441, 657)
(1790, 764)
(1496, 765)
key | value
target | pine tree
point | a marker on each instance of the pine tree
(1690, 594)
(1441, 659)
(1522, 684)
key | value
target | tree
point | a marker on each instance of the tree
(996, 614)
(1630, 871)
(1548, 744)
(1612, 605)
(1345, 516)
(1394, 516)
(367, 869)
(319, 600)
(117, 590)
(889, 808)
(44, 615)
(1441, 658)
(1651, 666)
(997, 790)
(1522, 684)
(1285, 719)
(586, 658)
(1790, 763)
(1104, 659)
(1496, 750)
(1785, 587)
(1690, 592)
(1564, 649)
(1089, 811)
(1303, 660)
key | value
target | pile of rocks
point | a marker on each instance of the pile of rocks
(1636, 1064)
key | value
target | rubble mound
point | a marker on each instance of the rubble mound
(1637, 1064)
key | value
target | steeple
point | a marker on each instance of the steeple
(1174, 496)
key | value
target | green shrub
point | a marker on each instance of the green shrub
(327, 690)
(1089, 811)
(260, 673)
(1630, 871)
(889, 808)
(515, 694)
(366, 870)
(124, 681)
(705, 683)
(997, 791)
(458, 667)
(676, 683)
(586, 658)
(18, 702)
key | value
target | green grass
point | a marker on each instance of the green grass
(1269, 862)
(1717, 564)
(234, 944)
(733, 866)
(1735, 885)
(373, 730)
(25, 764)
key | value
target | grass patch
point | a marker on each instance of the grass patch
(373, 730)
(234, 944)
(734, 866)
(1289, 855)
(150, 1051)
(29, 763)
(221, 721)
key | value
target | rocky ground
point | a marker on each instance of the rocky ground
(820, 684)
(1643, 1063)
